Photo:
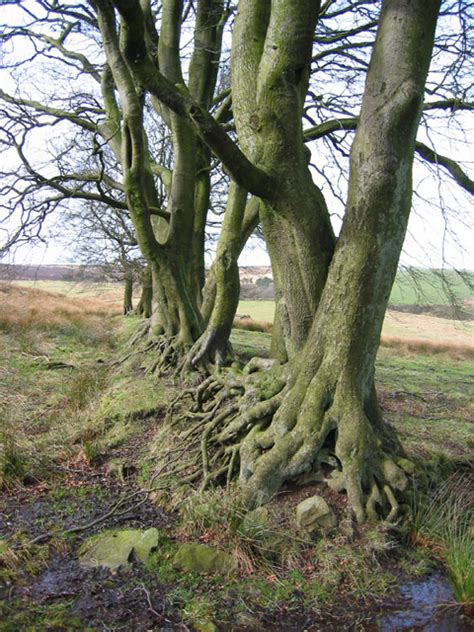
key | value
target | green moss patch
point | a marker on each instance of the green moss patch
(114, 549)
(200, 558)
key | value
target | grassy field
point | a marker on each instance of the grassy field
(400, 329)
(75, 436)
(111, 293)
(431, 287)
(415, 287)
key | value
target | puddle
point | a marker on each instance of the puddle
(426, 606)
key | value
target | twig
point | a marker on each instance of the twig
(149, 346)
(148, 598)
(44, 537)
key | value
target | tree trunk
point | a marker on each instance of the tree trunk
(128, 295)
(223, 289)
(144, 305)
(331, 399)
(173, 243)
(271, 57)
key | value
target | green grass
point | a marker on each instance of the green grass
(431, 287)
(442, 519)
(257, 310)
(250, 343)
(53, 413)
(418, 287)
(430, 401)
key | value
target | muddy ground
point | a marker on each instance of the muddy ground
(57, 594)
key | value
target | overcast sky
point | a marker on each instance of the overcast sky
(435, 238)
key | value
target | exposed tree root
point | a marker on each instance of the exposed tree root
(268, 427)
(211, 350)
(161, 354)
(140, 333)
(255, 425)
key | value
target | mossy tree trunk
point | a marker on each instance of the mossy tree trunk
(332, 394)
(222, 290)
(331, 298)
(128, 295)
(171, 239)
(271, 58)
(144, 304)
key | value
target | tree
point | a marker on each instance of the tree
(331, 292)
(331, 298)
(103, 237)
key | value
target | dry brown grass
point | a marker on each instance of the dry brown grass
(456, 343)
(26, 309)
(41, 408)
(250, 324)
(456, 350)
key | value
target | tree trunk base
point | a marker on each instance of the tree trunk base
(235, 425)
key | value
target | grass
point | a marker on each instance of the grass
(277, 567)
(430, 401)
(50, 377)
(53, 415)
(404, 332)
(442, 520)
(431, 287)
(106, 293)
(414, 286)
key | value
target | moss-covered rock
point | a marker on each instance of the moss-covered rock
(314, 512)
(115, 548)
(200, 558)
(206, 626)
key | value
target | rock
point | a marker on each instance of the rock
(314, 512)
(256, 520)
(206, 626)
(200, 558)
(337, 481)
(247, 620)
(113, 548)
(407, 466)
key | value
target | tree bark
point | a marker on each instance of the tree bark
(128, 295)
(144, 305)
(173, 248)
(332, 395)
(223, 287)
(271, 56)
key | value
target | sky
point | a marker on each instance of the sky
(434, 239)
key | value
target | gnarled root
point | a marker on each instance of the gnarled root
(159, 353)
(211, 350)
(141, 333)
(269, 430)
(370, 464)
(217, 414)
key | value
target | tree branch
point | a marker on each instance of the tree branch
(54, 112)
(450, 165)
(179, 101)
